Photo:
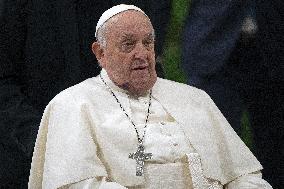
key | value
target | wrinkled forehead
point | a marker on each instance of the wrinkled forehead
(129, 25)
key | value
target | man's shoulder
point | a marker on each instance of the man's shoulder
(172, 83)
(77, 93)
(177, 88)
(182, 94)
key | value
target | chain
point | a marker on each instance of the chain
(140, 140)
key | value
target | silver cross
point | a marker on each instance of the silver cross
(140, 158)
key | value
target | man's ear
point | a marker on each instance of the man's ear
(99, 52)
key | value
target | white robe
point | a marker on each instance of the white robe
(85, 138)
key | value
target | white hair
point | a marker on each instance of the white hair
(101, 35)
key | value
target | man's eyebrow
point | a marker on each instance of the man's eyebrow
(127, 36)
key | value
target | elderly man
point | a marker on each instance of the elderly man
(126, 128)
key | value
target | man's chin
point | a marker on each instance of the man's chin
(141, 84)
(141, 88)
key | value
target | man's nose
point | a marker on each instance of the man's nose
(140, 51)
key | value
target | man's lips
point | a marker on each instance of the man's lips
(141, 67)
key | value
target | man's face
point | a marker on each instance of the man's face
(129, 56)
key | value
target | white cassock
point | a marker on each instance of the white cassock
(85, 138)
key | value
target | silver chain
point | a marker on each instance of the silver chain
(140, 140)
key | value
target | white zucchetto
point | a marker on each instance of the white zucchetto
(114, 11)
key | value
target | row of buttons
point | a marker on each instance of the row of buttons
(168, 134)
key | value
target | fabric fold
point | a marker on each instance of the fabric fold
(224, 156)
(65, 151)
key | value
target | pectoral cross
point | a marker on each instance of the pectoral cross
(140, 158)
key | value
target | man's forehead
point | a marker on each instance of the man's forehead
(130, 24)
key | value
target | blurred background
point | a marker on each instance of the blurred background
(231, 49)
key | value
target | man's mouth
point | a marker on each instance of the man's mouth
(142, 67)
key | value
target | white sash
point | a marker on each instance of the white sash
(198, 179)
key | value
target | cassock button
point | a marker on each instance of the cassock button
(169, 134)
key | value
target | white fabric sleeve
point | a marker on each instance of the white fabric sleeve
(251, 181)
(94, 183)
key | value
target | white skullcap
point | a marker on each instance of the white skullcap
(114, 11)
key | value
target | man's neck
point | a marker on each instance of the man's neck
(123, 88)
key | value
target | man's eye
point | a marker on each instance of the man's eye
(127, 43)
(149, 43)
(127, 46)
